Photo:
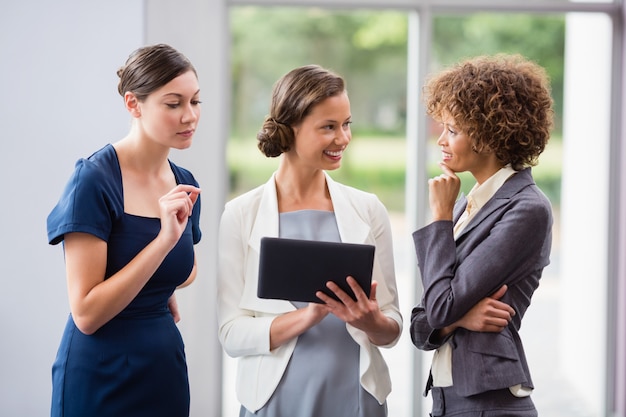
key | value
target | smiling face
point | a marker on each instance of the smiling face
(323, 134)
(458, 155)
(170, 114)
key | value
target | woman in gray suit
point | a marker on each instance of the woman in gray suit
(482, 256)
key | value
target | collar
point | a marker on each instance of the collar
(352, 227)
(481, 193)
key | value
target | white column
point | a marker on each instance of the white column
(584, 206)
(198, 28)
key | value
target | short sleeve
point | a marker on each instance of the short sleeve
(87, 204)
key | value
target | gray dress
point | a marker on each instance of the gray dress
(322, 377)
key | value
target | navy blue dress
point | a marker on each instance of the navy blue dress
(135, 364)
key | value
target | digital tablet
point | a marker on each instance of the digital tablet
(294, 270)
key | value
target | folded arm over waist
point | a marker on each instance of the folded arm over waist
(505, 249)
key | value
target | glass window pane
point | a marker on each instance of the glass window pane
(369, 49)
(564, 329)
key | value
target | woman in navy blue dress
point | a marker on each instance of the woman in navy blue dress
(128, 219)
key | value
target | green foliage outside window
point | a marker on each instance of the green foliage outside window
(369, 49)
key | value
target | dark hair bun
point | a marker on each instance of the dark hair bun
(274, 138)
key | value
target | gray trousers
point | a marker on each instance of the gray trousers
(500, 403)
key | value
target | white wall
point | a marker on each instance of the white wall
(58, 63)
(584, 206)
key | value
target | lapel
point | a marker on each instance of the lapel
(352, 229)
(265, 224)
(266, 220)
(459, 208)
(508, 190)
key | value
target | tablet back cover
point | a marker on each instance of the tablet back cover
(294, 269)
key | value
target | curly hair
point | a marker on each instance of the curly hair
(502, 102)
(294, 96)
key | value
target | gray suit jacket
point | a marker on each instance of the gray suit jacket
(508, 242)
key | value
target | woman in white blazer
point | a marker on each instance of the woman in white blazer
(297, 359)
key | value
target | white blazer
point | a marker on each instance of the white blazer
(244, 319)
